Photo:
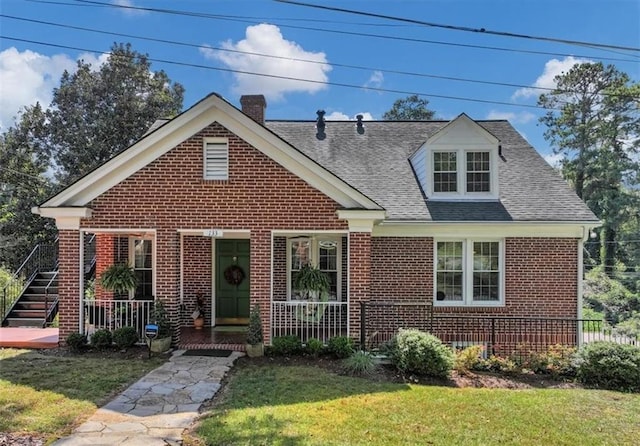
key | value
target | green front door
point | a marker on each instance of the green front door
(232, 282)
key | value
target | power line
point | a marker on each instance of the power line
(340, 65)
(324, 30)
(274, 76)
(459, 28)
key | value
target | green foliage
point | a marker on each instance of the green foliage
(610, 297)
(360, 363)
(310, 280)
(76, 341)
(286, 345)
(101, 339)
(421, 353)
(119, 278)
(630, 327)
(314, 347)
(468, 359)
(610, 366)
(125, 337)
(254, 334)
(160, 317)
(503, 365)
(411, 108)
(340, 346)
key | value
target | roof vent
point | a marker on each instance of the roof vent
(320, 125)
(359, 125)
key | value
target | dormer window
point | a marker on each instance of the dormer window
(467, 179)
(445, 172)
(478, 172)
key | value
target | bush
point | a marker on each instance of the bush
(314, 347)
(125, 337)
(340, 346)
(360, 363)
(468, 359)
(286, 345)
(76, 341)
(101, 339)
(610, 366)
(421, 353)
(503, 365)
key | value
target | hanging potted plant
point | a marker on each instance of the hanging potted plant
(198, 313)
(255, 345)
(119, 278)
(311, 283)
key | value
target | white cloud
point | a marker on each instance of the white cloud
(339, 116)
(514, 118)
(552, 68)
(553, 159)
(267, 39)
(375, 80)
(127, 8)
(28, 77)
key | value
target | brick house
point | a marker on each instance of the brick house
(461, 218)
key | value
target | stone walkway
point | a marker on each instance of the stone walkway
(158, 408)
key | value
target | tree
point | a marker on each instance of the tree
(23, 184)
(593, 121)
(97, 113)
(411, 108)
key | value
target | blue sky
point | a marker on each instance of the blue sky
(29, 71)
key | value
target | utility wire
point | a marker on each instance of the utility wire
(457, 28)
(340, 65)
(324, 30)
(274, 76)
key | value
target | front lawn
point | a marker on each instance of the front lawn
(46, 395)
(303, 405)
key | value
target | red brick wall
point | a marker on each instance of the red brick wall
(170, 193)
(359, 277)
(197, 276)
(69, 288)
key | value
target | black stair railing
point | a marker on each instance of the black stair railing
(49, 309)
(43, 257)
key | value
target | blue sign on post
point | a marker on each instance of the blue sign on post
(151, 332)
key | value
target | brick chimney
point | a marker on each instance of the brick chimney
(253, 105)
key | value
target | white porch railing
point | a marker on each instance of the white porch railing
(319, 320)
(114, 314)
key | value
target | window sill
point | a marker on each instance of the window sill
(441, 304)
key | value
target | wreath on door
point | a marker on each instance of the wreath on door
(234, 275)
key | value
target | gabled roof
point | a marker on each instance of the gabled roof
(163, 136)
(376, 163)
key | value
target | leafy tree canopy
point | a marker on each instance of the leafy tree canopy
(411, 108)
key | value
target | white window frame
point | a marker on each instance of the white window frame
(219, 175)
(315, 260)
(132, 261)
(461, 175)
(467, 274)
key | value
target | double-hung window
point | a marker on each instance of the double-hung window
(142, 260)
(321, 252)
(469, 273)
(461, 174)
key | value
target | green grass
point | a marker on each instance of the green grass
(299, 405)
(47, 395)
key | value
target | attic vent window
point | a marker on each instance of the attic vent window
(216, 159)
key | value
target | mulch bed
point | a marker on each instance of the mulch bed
(7, 439)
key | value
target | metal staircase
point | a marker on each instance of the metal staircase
(30, 298)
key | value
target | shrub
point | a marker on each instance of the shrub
(468, 359)
(101, 339)
(503, 365)
(560, 360)
(254, 334)
(360, 363)
(421, 353)
(286, 345)
(125, 337)
(340, 346)
(610, 366)
(314, 347)
(76, 341)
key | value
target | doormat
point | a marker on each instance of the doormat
(231, 328)
(208, 352)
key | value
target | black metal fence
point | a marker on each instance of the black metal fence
(499, 335)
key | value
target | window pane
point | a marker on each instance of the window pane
(300, 253)
(445, 177)
(449, 286)
(449, 264)
(486, 271)
(328, 250)
(478, 172)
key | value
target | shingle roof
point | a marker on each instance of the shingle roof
(376, 163)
